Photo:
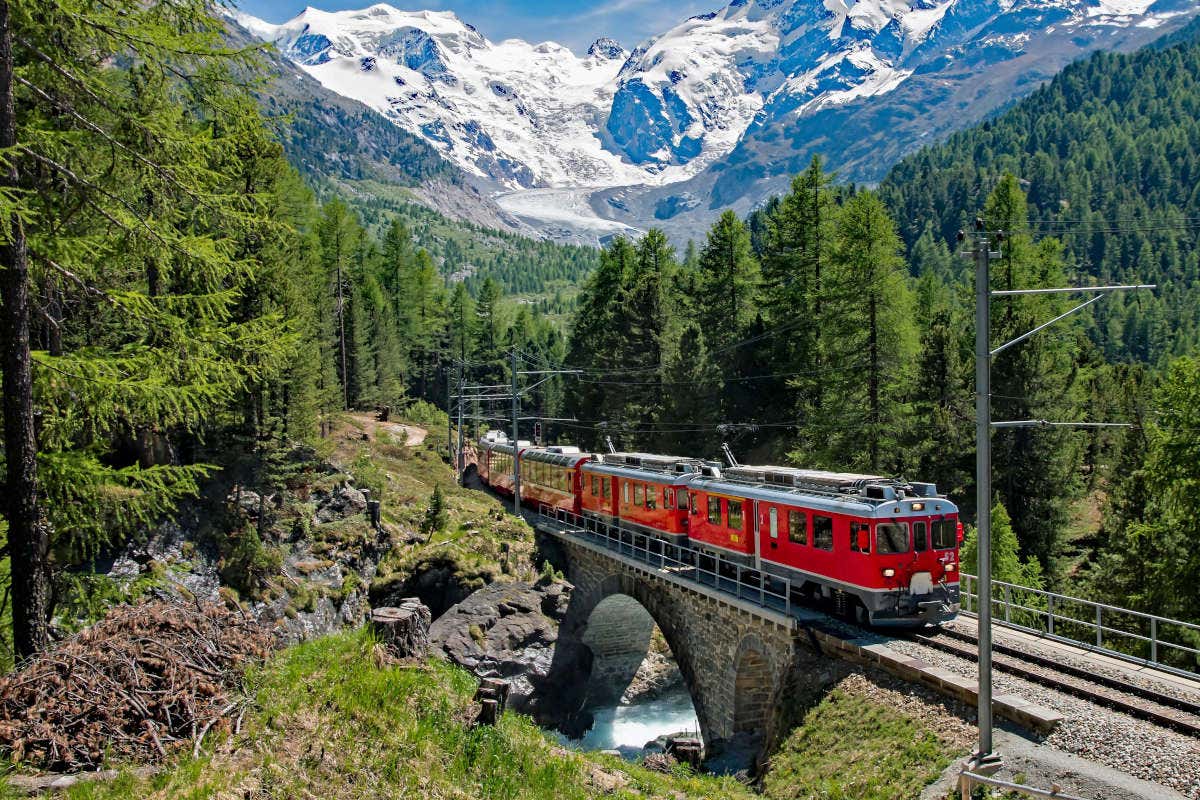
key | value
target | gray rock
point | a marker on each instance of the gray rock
(506, 630)
(344, 501)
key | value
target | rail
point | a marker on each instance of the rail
(1159, 642)
(748, 584)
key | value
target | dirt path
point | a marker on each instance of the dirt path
(413, 435)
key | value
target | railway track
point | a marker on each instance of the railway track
(1137, 701)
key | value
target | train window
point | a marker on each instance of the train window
(735, 515)
(606, 487)
(921, 536)
(944, 534)
(639, 494)
(595, 486)
(695, 508)
(860, 537)
(891, 537)
(714, 510)
(651, 497)
(681, 500)
(668, 497)
(626, 492)
(822, 532)
(774, 515)
(797, 527)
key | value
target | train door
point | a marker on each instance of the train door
(756, 533)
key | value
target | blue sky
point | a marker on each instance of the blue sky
(575, 23)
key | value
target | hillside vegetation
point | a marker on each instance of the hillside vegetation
(1109, 154)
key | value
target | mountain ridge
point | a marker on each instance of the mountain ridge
(718, 111)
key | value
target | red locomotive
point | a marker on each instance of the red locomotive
(882, 549)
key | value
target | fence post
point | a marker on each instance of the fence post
(1154, 639)
(1050, 612)
(738, 588)
(1007, 603)
(1099, 627)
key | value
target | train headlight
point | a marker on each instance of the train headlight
(889, 573)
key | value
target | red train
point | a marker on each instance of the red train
(882, 549)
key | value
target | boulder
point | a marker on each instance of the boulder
(508, 631)
(341, 502)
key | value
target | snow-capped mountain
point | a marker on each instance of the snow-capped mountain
(719, 109)
(520, 114)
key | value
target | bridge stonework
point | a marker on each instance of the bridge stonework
(735, 663)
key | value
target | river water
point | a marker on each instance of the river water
(630, 728)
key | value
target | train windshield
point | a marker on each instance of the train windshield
(891, 537)
(944, 534)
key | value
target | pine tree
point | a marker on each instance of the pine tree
(340, 236)
(692, 400)
(1007, 564)
(728, 281)
(1149, 561)
(796, 252)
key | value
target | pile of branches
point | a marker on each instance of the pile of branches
(146, 680)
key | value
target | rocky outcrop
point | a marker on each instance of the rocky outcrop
(438, 581)
(509, 630)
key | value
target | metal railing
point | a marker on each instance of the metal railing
(1119, 632)
(967, 781)
(702, 567)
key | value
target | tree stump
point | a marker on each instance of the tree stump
(686, 750)
(383, 412)
(404, 629)
(492, 696)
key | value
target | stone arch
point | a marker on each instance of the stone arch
(660, 609)
(753, 687)
(618, 633)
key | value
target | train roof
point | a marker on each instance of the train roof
(654, 462)
(562, 455)
(830, 489)
(498, 441)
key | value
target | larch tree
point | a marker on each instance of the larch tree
(867, 336)
(121, 270)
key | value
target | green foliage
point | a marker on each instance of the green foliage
(1106, 151)
(85, 598)
(1007, 564)
(246, 564)
(1148, 557)
(865, 310)
(435, 514)
(367, 472)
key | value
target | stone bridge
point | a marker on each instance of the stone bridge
(735, 657)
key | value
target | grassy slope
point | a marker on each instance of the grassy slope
(854, 747)
(480, 539)
(330, 723)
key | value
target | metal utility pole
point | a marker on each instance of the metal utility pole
(985, 758)
(516, 439)
(449, 419)
(983, 487)
(459, 465)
